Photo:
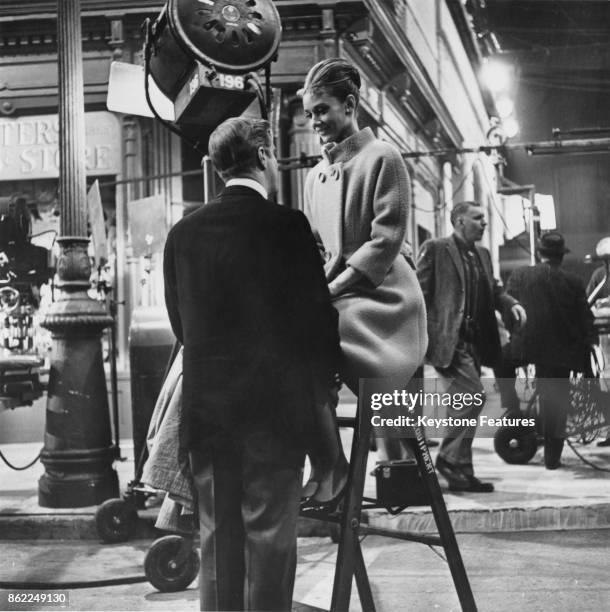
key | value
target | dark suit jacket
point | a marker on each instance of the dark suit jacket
(559, 328)
(596, 278)
(441, 276)
(246, 295)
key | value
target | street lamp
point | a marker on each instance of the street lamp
(78, 452)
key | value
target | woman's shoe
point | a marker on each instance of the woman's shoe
(332, 485)
(309, 488)
(328, 463)
(329, 486)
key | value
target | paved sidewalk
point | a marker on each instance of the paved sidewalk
(526, 497)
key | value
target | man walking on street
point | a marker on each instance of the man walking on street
(247, 297)
(556, 338)
(461, 295)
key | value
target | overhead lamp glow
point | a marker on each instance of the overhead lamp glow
(510, 127)
(505, 107)
(496, 76)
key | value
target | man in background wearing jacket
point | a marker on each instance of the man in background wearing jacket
(461, 295)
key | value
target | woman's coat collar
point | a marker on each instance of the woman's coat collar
(348, 148)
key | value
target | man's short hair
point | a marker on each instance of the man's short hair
(459, 209)
(234, 145)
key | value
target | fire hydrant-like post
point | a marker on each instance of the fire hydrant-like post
(78, 451)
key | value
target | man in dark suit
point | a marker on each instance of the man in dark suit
(461, 295)
(556, 338)
(246, 295)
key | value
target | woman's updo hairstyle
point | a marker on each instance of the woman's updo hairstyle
(334, 76)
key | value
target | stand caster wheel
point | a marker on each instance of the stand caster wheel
(516, 445)
(166, 568)
(116, 521)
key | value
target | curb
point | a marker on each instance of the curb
(81, 526)
(69, 526)
(498, 520)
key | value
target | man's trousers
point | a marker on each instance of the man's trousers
(464, 374)
(248, 509)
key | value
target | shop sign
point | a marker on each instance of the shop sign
(29, 146)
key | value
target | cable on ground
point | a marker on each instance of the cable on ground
(586, 461)
(14, 467)
(85, 584)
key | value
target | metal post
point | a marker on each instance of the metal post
(78, 451)
(209, 187)
(532, 234)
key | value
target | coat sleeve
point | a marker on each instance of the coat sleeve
(585, 316)
(391, 202)
(513, 285)
(596, 278)
(503, 302)
(171, 292)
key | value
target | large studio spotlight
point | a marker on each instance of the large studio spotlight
(204, 54)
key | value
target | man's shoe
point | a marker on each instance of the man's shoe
(552, 453)
(454, 476)
(605, 442)
(458, 480)
(475, 486)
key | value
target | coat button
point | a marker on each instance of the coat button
(322, 177)
(335, 174)
(327, 256)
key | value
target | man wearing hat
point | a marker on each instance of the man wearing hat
(556, 337)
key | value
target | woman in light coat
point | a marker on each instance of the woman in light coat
(357, 200)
